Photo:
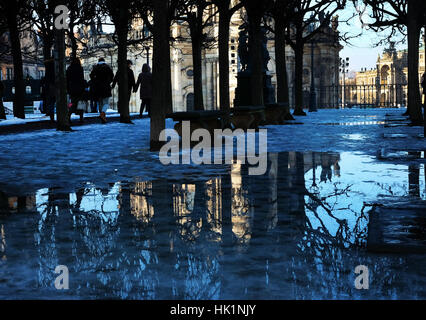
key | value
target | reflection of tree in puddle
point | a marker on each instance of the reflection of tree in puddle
(95, 216)
(330, 216)
(2, 243)
(196, 276)
(50, 234)
(184, 204)
(214, 208)
(293, 232)
(334, 238)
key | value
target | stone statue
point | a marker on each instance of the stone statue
(335, 22)
(243, 51)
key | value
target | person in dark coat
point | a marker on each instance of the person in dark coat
(76, 86)
(145, 82)
(2, 111)
(43, 95)
(130, 79)
(93, 99)
(102, 76)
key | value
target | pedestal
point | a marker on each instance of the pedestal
(243, 90)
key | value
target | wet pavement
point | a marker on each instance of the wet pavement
(297, 232)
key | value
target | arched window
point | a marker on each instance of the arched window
(384, 74)
(190, 102)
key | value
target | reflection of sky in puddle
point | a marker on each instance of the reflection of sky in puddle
(355, 136)
(211, 236)
(365, 182)
(356, 123)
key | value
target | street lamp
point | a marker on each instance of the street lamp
(312, 95)
(146, 35)
(344, 68)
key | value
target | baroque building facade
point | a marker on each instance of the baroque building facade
(326, 65)
(387, 84)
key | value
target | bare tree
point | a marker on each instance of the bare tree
(61, 86)
(3, 28)
(255, 12)
(12, 13)
(160, 70)
(121, 15)
(194, 13)
(41, 17)
(81, 12)
(403, 16)
(226, 8)
(305, 12)
(280, 12)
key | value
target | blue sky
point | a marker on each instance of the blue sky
(362, 52)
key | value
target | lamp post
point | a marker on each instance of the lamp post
(146, 35)
(344, 65)
(312, 95)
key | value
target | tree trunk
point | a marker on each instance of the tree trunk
(424, 89)
(19, 98)
(414, 99)
(2, 111)
(298, 73)
(255, 47)
(168, 79)
(197, 64)
(224, 21)
(73, 40)
(280, 59)
(160, 72)
(123, 85)
(61, 84)
(47, 55)
(47, 47)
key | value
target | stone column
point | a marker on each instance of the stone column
(205, 82)
(212, 80)
(178, 104)
(208, 84)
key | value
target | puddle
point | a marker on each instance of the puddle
(298, 232)
(400, 155)
(356, 123)
(355, 136)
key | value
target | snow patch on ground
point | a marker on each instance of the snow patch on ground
(116, 152)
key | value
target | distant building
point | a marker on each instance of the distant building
(387, 84)
(33, 66)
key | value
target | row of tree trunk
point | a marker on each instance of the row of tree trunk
(162, 100)
(415, 22)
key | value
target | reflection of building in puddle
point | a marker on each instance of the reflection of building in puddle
(183, 207)
(2, 243)
(242, 212)
(214, 207)
(14, 204)
(140, 202)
